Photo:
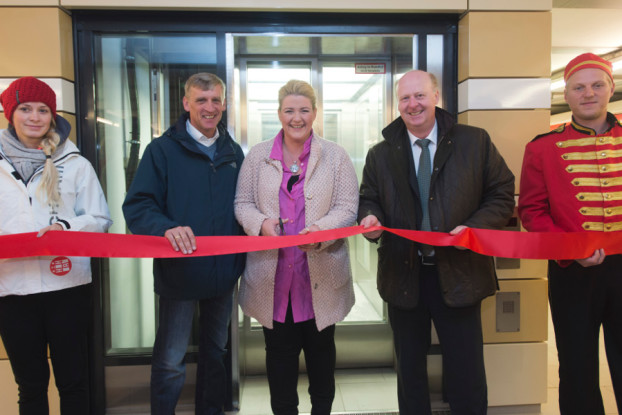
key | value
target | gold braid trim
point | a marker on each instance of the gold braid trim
(593, 168)
(596, 182)
(600, 226)
(599, 211)
(593, 155)
(599, 197)
(590, 141)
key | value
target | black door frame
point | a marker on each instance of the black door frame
(88, 23)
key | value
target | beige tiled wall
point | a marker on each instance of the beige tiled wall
(510, 130)
(36, 42)
(510, 5)
(533, 312)
(501, 51)
(45, 50)
(8, 392)
(280, 5)
(504, 45)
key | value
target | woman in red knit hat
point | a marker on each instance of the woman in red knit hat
(45, 184)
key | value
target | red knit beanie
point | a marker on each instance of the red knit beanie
(587, 60)
(27, 89)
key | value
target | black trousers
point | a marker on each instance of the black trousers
(460, 335)
(58, 319)
(283, 345)
(581, 300)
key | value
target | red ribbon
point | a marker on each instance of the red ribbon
(508, 244)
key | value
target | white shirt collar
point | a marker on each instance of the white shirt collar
(199, 137)
(433, 136)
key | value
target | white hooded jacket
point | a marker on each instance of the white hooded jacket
(83, 208)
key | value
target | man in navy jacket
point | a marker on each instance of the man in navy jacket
(185, 186)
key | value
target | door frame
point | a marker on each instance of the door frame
(87, 23)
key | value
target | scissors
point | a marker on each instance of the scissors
(281, 226)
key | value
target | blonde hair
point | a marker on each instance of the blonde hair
(48, 187)
(296, 87)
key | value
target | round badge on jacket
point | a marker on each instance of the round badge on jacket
(60, 266)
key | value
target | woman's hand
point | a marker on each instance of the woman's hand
(313, 246)
(52, 227)
(273, 227)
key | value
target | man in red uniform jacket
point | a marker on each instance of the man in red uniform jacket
(572, 181)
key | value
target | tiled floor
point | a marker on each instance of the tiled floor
(357, 391)
(374, 391)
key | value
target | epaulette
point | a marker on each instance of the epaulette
(557, 130)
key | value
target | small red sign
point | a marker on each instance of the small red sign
(60, 265)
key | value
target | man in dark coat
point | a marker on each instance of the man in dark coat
(433, 174)
(185, 186)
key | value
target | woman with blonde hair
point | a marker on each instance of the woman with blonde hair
(293, 184)
(45, 184)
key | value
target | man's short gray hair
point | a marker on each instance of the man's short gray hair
(205, 81)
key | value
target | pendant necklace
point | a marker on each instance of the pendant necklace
(294, 168)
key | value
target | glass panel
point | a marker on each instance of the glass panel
(354, 114)
(264, 79)
(275, 44)
(138, 92)
(435, 61)
(356, 45)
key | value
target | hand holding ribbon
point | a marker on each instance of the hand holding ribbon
(509, 244)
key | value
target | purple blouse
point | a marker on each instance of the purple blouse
(292, 280)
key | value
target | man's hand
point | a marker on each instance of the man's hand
(369, 221)
(309, 247)
(456, 231)
(52, 227)
(597, 258)
(182, 239)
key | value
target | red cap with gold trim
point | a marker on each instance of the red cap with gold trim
(587, 60)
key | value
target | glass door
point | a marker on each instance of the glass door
(352, 77)
(354, 112)
(139, 84)
(130, 71)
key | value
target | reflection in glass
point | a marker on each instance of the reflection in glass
(264, 79)
(353, 110)
(354, 114)
(138, 92)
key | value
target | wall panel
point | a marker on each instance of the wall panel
(45, 49)
(510, 131)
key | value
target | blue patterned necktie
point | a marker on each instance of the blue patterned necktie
(424, 172)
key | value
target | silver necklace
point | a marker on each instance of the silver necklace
(294, 168)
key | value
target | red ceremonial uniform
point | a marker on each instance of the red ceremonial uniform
(572, 180)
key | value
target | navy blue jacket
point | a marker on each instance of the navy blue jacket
(177, 184)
